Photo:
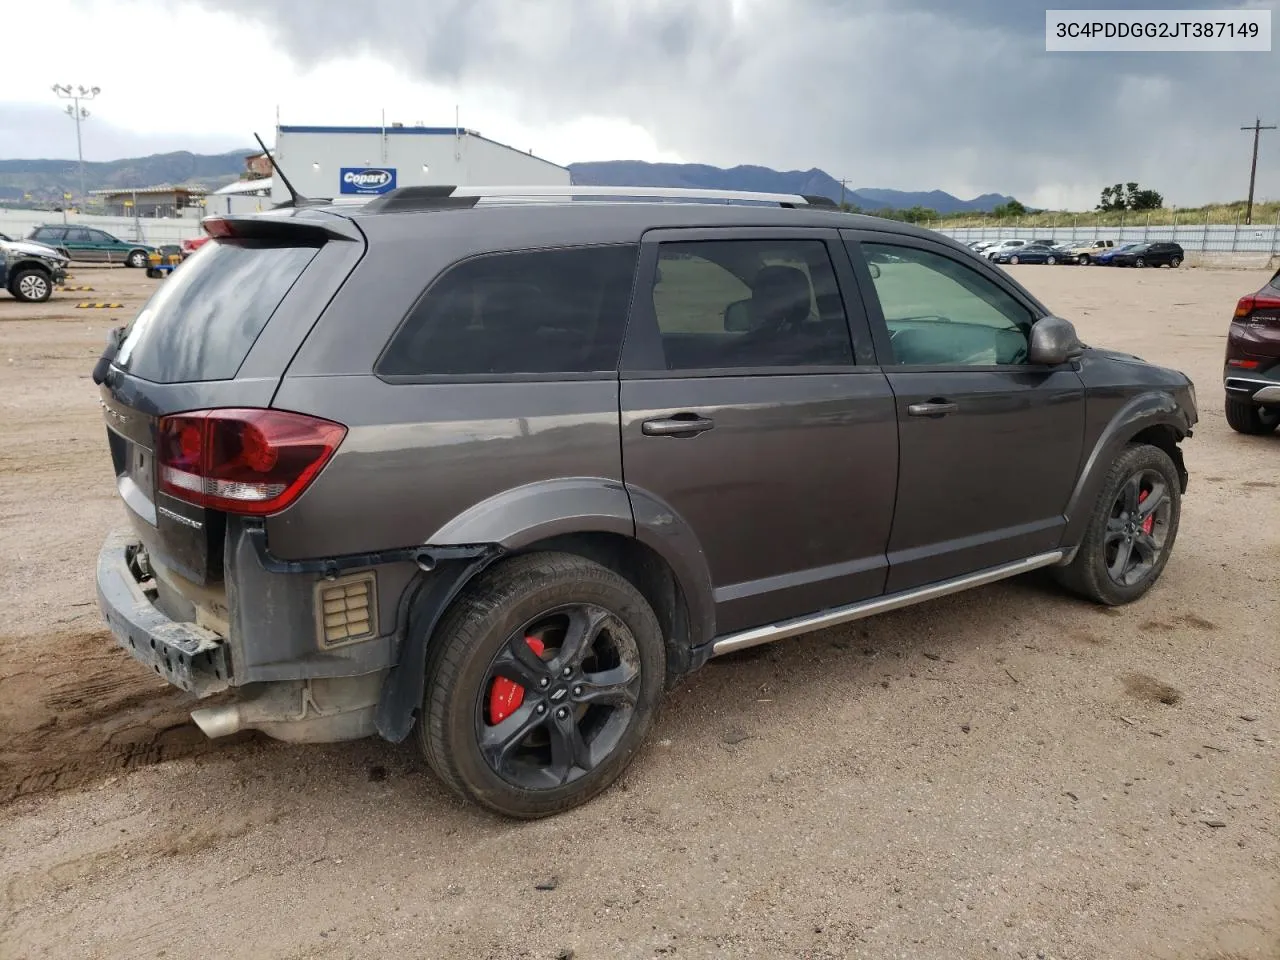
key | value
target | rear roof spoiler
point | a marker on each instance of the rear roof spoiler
(447, 197)
(290, 224)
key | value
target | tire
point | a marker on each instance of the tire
(1014, 259)
(136, 259)
(1089, 574)
(1249, 418)
(503, 607)
(1175, 262)
(1050, 261)
(1139, 262)
(1083, 260)
(31, 285)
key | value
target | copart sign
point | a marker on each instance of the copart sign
(367, 180)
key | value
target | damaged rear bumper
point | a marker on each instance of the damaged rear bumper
(185, 654)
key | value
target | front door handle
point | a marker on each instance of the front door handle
(933, 408)
(677, 425)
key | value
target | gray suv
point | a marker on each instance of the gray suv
(497, 473)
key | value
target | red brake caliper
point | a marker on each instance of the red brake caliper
(506, 695)
(1148, 524)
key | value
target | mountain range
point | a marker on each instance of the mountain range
(46, 180)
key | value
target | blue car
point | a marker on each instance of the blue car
(1105, 258)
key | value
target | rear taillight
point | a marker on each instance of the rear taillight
(245, 461)
(1253, 302)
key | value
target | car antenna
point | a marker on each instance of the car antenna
(295, 198)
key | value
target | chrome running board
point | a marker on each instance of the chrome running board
(867, 608)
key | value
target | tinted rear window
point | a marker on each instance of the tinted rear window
(203, 320)
(540, 311)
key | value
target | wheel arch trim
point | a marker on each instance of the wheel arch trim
(1155, 408)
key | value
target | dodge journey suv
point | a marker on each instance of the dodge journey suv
(497, 473)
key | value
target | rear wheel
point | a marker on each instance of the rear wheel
(31, 286)
(1249, 418)
(545, 678)
(1083, 259)
(1050, 261)
(1132, 529)
(1175, 261)
(136, 258)
(1139, 262)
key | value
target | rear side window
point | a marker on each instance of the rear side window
(527, 312)
(49, 233)
(205, 317)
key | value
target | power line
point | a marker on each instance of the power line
(1257, 128)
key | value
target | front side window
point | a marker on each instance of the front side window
(723, 304)
(525, 312)
(940, 312)
(97, 236)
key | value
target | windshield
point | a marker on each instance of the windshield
(202, 322)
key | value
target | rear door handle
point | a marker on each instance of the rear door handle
(933, 408)
(677, 425)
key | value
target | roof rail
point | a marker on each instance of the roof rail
(440, 197)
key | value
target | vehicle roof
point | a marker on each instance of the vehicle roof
(588, 221)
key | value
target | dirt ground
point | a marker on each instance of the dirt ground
(1006, 773)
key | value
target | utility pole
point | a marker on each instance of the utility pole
(77, 113)
(1257, 128)
(842, 183)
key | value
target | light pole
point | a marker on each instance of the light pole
(77, 113)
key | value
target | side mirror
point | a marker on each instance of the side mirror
(875, 270)
(1053, 342)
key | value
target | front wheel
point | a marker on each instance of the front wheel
(545, 678)
(1132, 529)
(1083, 260)
(1014, 259)
(31, 286)
(1139, 262)
(136, 259)
(1050, 261)
(1249, 418)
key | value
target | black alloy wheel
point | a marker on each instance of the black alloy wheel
(1137, 528)
(558, 698)
(543, 679)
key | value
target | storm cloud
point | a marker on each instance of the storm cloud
(888, 93)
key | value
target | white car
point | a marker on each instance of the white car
(1002, 245)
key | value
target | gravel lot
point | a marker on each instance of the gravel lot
(1005, 773)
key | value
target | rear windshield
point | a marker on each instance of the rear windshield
(204, 318)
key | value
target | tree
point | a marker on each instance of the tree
(1011, 209)
(1129, 196)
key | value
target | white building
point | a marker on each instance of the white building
(240, 196)
(349, 162)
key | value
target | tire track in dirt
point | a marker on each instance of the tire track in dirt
(81, 709)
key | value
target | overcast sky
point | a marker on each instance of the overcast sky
(910, 94)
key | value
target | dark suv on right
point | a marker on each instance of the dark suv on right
(1251, 372)
(498, 473)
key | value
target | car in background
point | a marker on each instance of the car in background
(1086, 253)
(1105, 258)
(91, 245)
(977, 246)
(193, 244)
(30, 271)
(1161, 253)
(1031, 253)
(1001, 246)
(1251, 369)
(5, 238)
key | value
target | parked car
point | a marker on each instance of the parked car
(1001, 246)
(30, 271)
(436, 470)
(191, 245)
(1251, 371)
(1086, 253)
(1158, 254)
(1107, 257)
(1031, 253)
(91, 245)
